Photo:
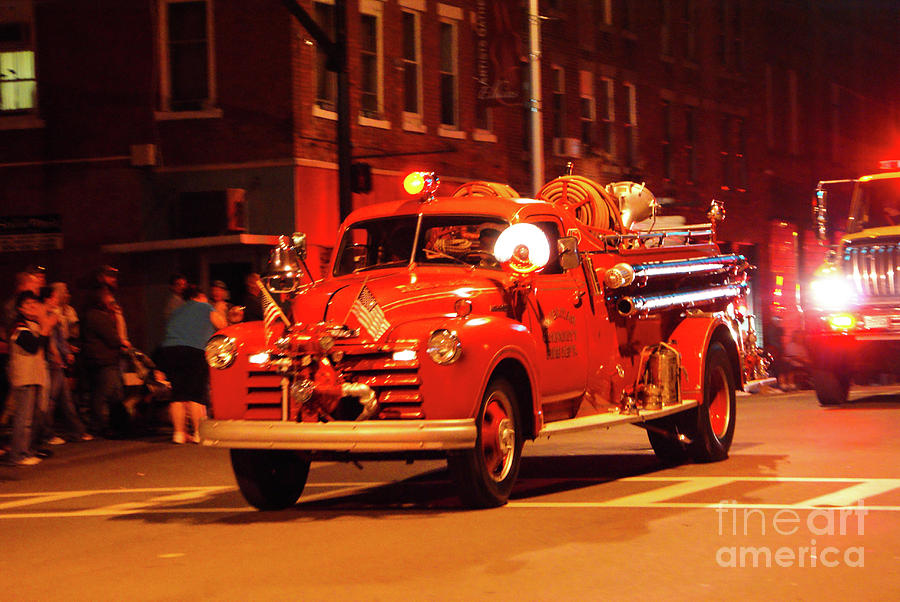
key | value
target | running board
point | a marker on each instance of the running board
(611, 419)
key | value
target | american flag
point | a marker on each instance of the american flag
(271, 315)
(369, 314)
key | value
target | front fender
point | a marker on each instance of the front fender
(692, 338)
(454, 391)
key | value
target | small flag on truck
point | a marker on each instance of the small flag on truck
(369, 313)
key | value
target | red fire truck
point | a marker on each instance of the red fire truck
(462, 326)
(853, 312)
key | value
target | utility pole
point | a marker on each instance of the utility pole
(336, 51)
(534, 103)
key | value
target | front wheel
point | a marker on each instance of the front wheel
(485, 475)
(832, 385)
(270, 479)
(709, 427)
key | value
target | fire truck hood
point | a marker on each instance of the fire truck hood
(376, 301)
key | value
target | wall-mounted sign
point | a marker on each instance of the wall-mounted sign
(891, 164)
(31, 232)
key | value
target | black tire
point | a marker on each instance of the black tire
(270, 479)
(709, 427)
(663, 434)
(832, 386)
(716, 415)
(485, 475)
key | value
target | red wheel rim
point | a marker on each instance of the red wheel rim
(498, 436)
(719, 402)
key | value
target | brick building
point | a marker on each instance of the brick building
(182, 135)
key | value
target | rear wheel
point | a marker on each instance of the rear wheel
(485, 475)
(270, 479)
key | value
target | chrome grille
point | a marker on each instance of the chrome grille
(396, 382)
(873, 270)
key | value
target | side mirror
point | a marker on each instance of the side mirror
(568, 252)
(820, 215)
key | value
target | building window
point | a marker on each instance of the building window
(689, 26)
(558, 102)
(412, 64)
(484, 115)
(188, 72)
(18, 80)
(770, 107)
(607, 12)
(371, 59)
(665, 29)
(725, 153)
(690, 146)
(631, 126)
(606, 134)
(731, 40)
(835, 122)
(667, 139)
(740, 155)
(326, 81)
(588, 108)
(793, 113)
(449, 73)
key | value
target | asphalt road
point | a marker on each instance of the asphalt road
(806, 508)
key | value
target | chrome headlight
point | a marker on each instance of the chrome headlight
(221, 351)
(444, 346)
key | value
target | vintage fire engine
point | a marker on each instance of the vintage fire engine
(463, 326)
(852, 320)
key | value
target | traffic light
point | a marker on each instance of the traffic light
(361, 178)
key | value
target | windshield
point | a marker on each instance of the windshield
(443, 239)
(876, 203)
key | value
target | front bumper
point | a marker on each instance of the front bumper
(338, 436)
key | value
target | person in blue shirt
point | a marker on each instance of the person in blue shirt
(182, 358)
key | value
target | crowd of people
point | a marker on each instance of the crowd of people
(75, 375)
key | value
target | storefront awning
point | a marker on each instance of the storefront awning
(177, 244)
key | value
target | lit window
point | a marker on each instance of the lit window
(188, 75)
(18, 81)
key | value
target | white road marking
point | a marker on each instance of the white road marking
(855, 490)
(853, 494)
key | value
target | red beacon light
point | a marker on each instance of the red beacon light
(421, 183)
(522, 249)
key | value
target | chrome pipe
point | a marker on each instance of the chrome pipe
(700, 265)
(644, 305)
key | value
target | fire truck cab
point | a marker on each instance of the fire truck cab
(852, 321)
(462, 326)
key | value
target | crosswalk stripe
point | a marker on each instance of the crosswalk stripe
(852, 495)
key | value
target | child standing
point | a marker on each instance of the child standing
(28, 375)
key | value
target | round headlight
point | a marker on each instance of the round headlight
(220, 351)
(444, 347)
